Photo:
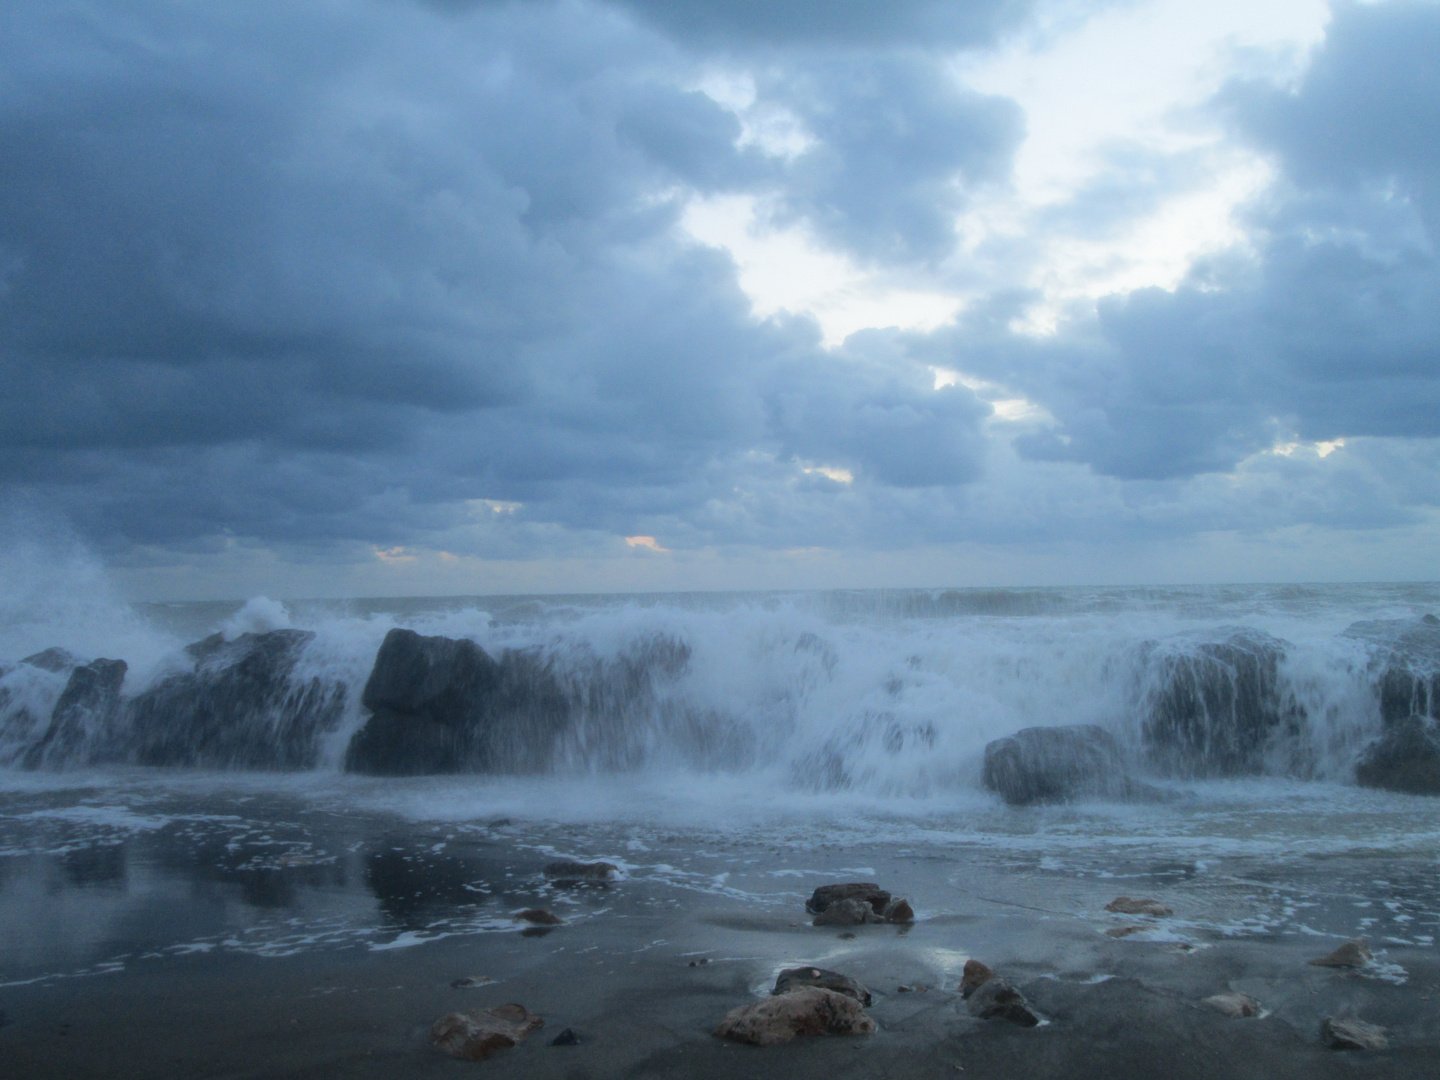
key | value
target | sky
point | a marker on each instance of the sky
(413, 297)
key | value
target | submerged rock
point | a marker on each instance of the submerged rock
(996, 999)
(848, 913)
(539, 917)
(1233, 1004)
(1061, 764)
(991, 997)
(866, 891)
(1125, 905)
(973, 977)
(568, 872)
(809, 1010)
(1405, 758)
(794, 978)
(1350, 1034)
(474, 1036)
(1352, 954)
(1218, 707)
(898, 911)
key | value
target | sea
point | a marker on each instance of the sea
(801, 737)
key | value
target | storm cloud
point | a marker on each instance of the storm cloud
(334, 279)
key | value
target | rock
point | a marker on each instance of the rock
(847, 913)
(866, 891)
(539, 917)
(444, 705)
(1124, 905)
(1232, 1003)
(53, 659)
(1061, 764)
(996, 999)
(243, 705)
(1405, 665)
(973, 977)
(84, 717)
(474, 1036)
(794, 978)
(1125, 931)
(1352, 954)
(1350, 1034)
(809, 1010)
(470, 981)
(1216, 706)
(566, 1038)
(1405, 758)
(898, 911)
(567, 872)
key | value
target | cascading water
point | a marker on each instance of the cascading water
(888, 694)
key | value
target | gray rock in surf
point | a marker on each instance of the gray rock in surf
(1217, 706)
(1406, 758)
(1340, 1033)
(1061, 764)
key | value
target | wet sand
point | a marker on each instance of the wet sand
(626, 974)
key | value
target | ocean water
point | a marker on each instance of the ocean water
(736, 748)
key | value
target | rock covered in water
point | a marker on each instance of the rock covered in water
(997, 999)
(1341, 1033)
(974, 976)
(53, 659)
(1060, 764)
(794, 978)
(444, 705)
(83, 720)
(1353, 954)
(242, 705)
(570, 872)
(1405, 758)
(1233, 1004)
(538, 917)
(867, 892)
(1405, 659)
(809, 1010)
(898, 911)
(990, 997)
(1125, 905)
(1217, 706)
(474, 1036)
(848, 913)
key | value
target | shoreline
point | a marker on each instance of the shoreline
(624, 973)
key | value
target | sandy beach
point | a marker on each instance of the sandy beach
(642, 969)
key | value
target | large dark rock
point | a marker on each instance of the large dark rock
(1060, 764)
(867, 891)
(1406, 757)
(442, 705)
(1218, 707)
(84, 717)
(241, 706)
(1406, 665)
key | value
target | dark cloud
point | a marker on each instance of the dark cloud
(271, 277)
(899, 147)
(808, 23)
